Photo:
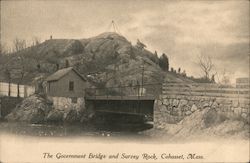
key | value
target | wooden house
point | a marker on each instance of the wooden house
(66, 88)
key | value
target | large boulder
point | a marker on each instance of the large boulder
(212, 117)
(199, 120)
(87, 115)
(72, 116)
(33, 109)
(55, 115)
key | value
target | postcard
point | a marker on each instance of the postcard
(107, 81)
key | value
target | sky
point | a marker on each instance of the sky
(183, 29)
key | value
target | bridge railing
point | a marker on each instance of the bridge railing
(131, 90)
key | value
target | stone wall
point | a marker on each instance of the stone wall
(66, 103)
(173, 107)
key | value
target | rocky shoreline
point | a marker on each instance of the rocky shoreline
(37, 109)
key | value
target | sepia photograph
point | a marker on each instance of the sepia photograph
(146, 81)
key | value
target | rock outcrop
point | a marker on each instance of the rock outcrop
(55, 116)
(33, 109)
(72, 116)
(202, 124)
(111, 55)
(38, 109)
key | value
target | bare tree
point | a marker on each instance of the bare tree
(4, 49)
(184, 73)
(19, 44)
(1, 52)
(36, 40)
(7, 75)
(206, 65)
(225, 79)
(22, 74)
(179, 70)
(140, 45)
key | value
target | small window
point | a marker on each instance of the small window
(71, 86)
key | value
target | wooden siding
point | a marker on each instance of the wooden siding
(60, 88)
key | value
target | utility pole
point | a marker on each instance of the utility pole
(113, 25)
(142, 78)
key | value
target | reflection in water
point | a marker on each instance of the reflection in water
(63, 130)
(31, 141)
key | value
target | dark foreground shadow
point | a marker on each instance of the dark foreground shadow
(72, 130)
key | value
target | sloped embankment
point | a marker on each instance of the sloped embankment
(202, 124)
(109, 58)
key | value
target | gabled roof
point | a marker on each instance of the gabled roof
(62, 72)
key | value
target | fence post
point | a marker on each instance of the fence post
(25, 94)
(9, 90)
(18, 90)
(138, 93)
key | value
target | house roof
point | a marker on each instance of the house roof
(62, 72)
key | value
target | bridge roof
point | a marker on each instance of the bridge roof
(120, 97)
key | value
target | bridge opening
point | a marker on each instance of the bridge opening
(123, 106)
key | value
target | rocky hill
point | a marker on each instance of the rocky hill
(108, 59)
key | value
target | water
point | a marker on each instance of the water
(20, 142)
(63, 130)
(29, 143)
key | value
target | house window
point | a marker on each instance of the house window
(71, 86)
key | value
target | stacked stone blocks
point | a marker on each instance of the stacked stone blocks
(173, 106)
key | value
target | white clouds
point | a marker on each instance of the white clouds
(186, 29)
(198, 22)
(182, 29)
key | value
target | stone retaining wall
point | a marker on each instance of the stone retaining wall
(173, 108)
(67, 103)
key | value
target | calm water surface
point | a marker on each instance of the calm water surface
(64, 131)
